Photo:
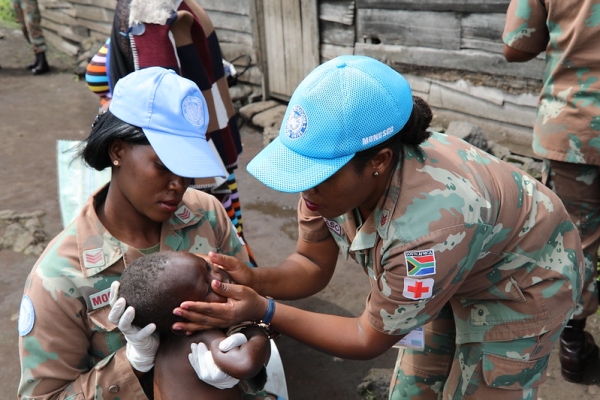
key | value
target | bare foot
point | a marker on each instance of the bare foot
(181, 28)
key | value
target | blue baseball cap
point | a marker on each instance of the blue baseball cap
(345, 105)
(173, 114)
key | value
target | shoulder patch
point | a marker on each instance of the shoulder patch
(417, 289)
(333, 226)
(420, 262)
(184, 214)
(26, 316)
(93, 258)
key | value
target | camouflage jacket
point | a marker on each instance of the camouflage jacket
(461, 226)
(567, 126)
(68, 348)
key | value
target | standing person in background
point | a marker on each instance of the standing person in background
(29, 17)
(567, 135)
(178, 35)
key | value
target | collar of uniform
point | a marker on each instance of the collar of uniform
(97, 248)
(186, 214)
(383, 213)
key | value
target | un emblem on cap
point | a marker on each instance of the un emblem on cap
(193, 110)
(297, 122)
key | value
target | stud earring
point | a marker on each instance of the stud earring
(375, 173)
(116, 163)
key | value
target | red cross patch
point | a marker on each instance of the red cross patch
(418, 289)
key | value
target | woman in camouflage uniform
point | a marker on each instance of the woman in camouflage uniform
(452, 239)
(72, 344)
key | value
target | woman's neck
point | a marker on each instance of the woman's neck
(127, 225)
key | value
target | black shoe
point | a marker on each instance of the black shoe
(577, 349)
(32, 65)
(41, 66)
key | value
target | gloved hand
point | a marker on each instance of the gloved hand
(203, 363)
(142, 344)
(233, 341)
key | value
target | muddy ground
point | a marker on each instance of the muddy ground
(35, 111)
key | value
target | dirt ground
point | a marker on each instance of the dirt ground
(35, 111)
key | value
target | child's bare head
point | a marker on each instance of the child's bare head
(157, 283)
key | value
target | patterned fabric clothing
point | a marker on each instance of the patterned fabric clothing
(30, 19)
(149, 44)
(67, 346)
(96, 75)
(458, 227)
(567, 127)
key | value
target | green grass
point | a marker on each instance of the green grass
(7, 14)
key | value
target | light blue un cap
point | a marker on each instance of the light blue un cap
(344, 106)
(173, 114)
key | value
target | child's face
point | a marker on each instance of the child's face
(206, 273)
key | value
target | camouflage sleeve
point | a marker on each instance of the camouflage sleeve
(311, 226)
(525, 28)
(418, 278)
(55, 343)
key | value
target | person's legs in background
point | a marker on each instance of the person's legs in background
(578, 186)
(29, 17)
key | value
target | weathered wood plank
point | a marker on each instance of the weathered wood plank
(225, 35)
(341, 12)
(483, 26)
(100, 27)
(94, 13)
(443, 96)
(468, 60)
(410, 28)
(330, 51)
(64, 31)
(310, 37)
(334, 33)
(241, 7)
(274, 47)
(60, 43)
(437, 5)
(226, 20)
(108, 4)
(480, 44)
(60, 17)
(292, 45)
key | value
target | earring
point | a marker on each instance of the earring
(375, 173)
(116, 163)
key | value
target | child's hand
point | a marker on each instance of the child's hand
(233, 341)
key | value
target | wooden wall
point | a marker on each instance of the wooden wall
(450, 49)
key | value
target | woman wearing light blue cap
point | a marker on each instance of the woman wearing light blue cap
(453, 240)
(76, 340)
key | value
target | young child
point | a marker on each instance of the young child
(157, 283)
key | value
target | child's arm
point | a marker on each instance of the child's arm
(245, 361)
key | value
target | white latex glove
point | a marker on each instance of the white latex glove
(142, 344)
(203, 363)
(233, 341)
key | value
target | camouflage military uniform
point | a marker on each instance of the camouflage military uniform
(567, 127)
(67, 345)
(29, 17)
(488, 250)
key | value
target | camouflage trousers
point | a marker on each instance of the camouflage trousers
(578, 186)
(493, 370)
(29, 17)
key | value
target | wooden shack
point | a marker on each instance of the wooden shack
(449, 50)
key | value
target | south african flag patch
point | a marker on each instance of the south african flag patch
(420, 262)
